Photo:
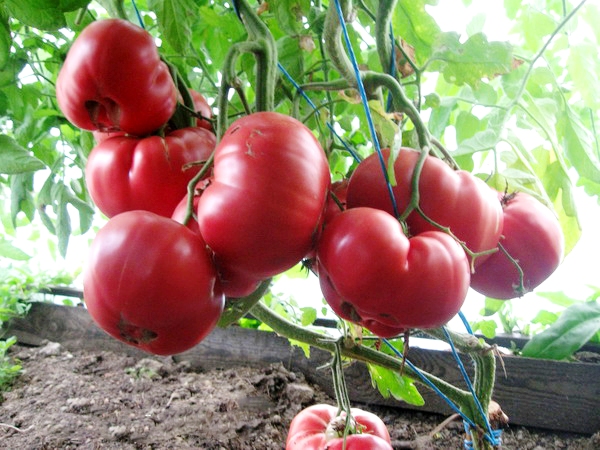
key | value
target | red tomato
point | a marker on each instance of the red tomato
(113, 79)
(151, 283)
(532, 236)
(124, 173)
(372, 274)
(234, 285)
(203, 108)
(319, 428)
(454, 199)
(262, 212)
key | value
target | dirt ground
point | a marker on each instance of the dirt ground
(103, 400)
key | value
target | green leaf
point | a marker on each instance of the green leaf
(385, 127)
(416, 26)
(175, 21)
(578, 144)
(5, 40)
(289, 55)
(43, 14)
(309, 315)
(21, 186)
(15, 159)
(535, 26)
(472, 61)
(575, 327)
(8, 250)
(289, 14)
(487, 328)
(558, 298)
(389, 382)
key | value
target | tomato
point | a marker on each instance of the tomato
(204, 109)
(233, 284)
(372, 274)
(181, 209)
(336, 201)
(318, 427)
(263, 210)
(151, 283)
(124, 173)
(532, 236)
(454, 199)
(113, 79)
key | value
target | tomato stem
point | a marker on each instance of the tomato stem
(383, 38)
(350, 349)
(191, 187)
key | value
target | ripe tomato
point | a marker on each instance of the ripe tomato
(113, 79)
(151, 283)
(372, 274)
(319, 428)
(203, 108)
(532, 236)
(124, 173)
(262, 212)
(454, 199)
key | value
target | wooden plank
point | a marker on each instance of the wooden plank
(547, 394)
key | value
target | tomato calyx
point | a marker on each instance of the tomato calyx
(340, 426)
(134, 334)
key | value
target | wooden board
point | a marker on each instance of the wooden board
(547, 394)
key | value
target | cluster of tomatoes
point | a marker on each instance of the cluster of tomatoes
(151, 280)
(158, 272)
(458, 232)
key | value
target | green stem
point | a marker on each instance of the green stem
(290, 330)
(191, 187)
(265, 53)
(484, 377)
(373, 80)
(383, 40)
(332, 36)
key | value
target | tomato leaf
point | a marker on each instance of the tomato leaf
(43, 14)
(5, 40)
(309, 315)
(289, 14)
(576, 326)
(468, 63)
(389, 382)
(578, 145)
(416, 27)
(8, 250)
(174, 22)
(15, 159)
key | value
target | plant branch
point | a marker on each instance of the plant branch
(350, 349)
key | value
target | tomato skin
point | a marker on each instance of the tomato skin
(125, 173)
(262, 212)
(203, 108)
(113, 79)
(372, 274)
(454, 199)
(308, 431)
(150, 282)
(531, 235)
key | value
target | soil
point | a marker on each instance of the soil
(103, 400)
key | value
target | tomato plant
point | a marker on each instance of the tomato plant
(124, 173)
(453, 199)
(262, 212)
(531, 238)
(113, 79)
(319, 427)
(151, 283)
(372, 274)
